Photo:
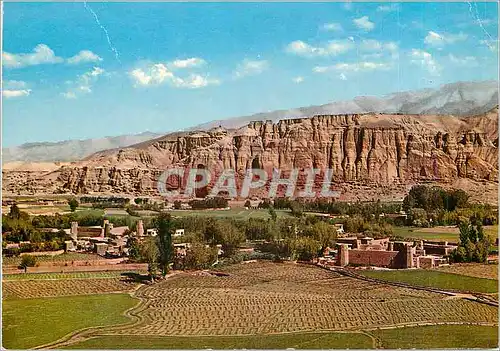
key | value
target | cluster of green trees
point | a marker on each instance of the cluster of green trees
(145, 205)
(434, 198)
(27, 261)
(474, 244)
(106, 202)
(211, 202)
(429, 206)
(375, 228)
(367, 209)
(157, 252)
(17, 227)
(73, 204)
(141, 201)
(292, 238)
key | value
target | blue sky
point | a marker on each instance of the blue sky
(77, 71)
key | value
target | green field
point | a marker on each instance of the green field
(237, 213)
(278, 341)
(33, 322)
(438, 336)
(83, 211)
(438, 233)
(417, 233)
(435, 279)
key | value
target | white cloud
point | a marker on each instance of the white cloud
(334, 27)
(437, 40)
(332, 48)
(342, 76)
(362, 66)
(195, 81)
(83, 83)
(425, 59)
(84, 56)
(320, 69)
(388, 8)
(190, 62)
(375, 45)
(391, 46)
(364, 23)
(15, 93)
(370, 45)
(348, 5)
(158, 74)
(41, 54)
(15, 88)
(301, 48)
(469, 61)
(14, 84)
(298, 79)
(376, 55)
(250, 68)
(353, 67)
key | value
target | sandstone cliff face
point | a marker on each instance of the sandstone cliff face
(371, 149)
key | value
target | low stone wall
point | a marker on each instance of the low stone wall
(373, 258)
(77, 263)
(42, 253)
(104, 262)
(69, 269)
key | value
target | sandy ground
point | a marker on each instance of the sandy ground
(33, 166)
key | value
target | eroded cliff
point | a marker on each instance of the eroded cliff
(371, 149)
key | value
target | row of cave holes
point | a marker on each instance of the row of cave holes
(202, 192)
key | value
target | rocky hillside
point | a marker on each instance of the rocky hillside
(367, 151)
(459, 99)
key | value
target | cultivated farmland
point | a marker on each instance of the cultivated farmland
(268, 298)
(254, 304)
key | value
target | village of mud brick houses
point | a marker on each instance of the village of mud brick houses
(354, 251)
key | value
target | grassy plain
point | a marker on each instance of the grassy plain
(450, 234)
(33, 322)
(445, 234)
(478, 270)
(435, 279)
(237, 213)
(278, 341)
(438, 336)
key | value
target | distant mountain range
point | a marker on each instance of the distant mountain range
(70, 150)
(461, 99)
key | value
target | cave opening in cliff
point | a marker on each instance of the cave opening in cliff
(256, 163)
(203, 191)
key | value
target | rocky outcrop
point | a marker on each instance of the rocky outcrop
(370, 149)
